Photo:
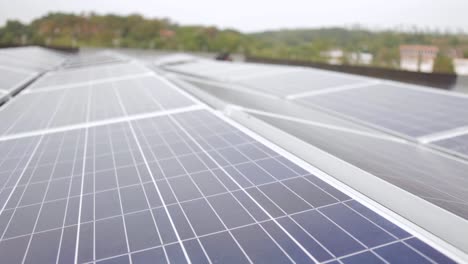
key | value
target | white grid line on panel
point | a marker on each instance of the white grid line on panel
(87, 83)
(83, 173)
(246, 193)
(103, 122)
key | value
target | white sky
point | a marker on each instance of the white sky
(257, 15)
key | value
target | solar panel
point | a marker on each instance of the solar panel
(409, 112)
(80, 76)
(93, 102)
(185, 186)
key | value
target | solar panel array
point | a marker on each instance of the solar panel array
(135, 171)
(407, 111)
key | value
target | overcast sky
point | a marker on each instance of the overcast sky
(257, 15)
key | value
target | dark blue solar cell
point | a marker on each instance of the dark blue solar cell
(117, 260)
(180, 221)
(250, 206)
(292, 166)
(171, 167)
(127, 176)
(141, 231)
(23, 221)
(252, 152)
(33, 194)
(232, 156)
(86, 243)
(292, 249)
(110, 238)
(400, 253)
(230, 211)
(222, 248)
(379, 220)
(359, 227)
(51, 215)
(254, 173)
(202, 217)
(67, 250)
(227, 181)
(327, 233)
(192, 163)
(107, 204)
(184, 188)
(164, 226)
(258, 245)
(152, 194)
(309, 192)
(13, 250)
(328, 188)
(166, 192)
(362, 258)
(133, 199)
(195, 251)
(276, 169)
(236, 176)
(208, 183)
(105, 180)
(311, 245)
(175, 254)
(428, 251)
(284, 198)
(149, 256)
(265, 202)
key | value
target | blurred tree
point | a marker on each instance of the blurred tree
(443, 64)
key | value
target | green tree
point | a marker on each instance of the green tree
(443, 64)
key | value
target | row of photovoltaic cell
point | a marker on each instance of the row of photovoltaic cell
(77, 105)
(230, 198)
(86, 60)
(411, 113)
(89, 74)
